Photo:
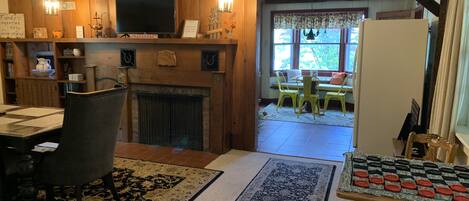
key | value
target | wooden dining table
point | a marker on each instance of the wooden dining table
(21, 129)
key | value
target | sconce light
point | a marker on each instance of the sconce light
(52, 7)
(225, 6)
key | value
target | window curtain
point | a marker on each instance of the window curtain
(462, 124)
(317, 20)
(446, 99)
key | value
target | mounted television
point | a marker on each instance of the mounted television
(146, 16)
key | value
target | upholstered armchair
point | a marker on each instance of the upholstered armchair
(86, 148)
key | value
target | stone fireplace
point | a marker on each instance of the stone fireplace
(171, 116)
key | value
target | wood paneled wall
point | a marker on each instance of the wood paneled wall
(67, 20)
(245, 69)
(37, 92)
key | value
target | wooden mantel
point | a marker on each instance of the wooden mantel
(161, 41)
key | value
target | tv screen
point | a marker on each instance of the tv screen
(145, 16)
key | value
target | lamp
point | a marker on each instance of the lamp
(311, 35)
(225, 6)
(51, 7)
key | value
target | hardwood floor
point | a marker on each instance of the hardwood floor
(167, 155)
(277, 137)
(305, 140)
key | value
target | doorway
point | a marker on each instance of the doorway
(289, 56)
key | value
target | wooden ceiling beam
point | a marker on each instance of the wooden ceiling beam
(431, 5)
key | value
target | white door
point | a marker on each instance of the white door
(391, 73)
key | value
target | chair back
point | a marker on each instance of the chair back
(307, 84)
(341, 90)
(281, 78)
(433, 144)
(91, 123)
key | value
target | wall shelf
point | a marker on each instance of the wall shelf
(70, 57)
(36, 78)
(72, 82)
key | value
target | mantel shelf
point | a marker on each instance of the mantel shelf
(164, 41)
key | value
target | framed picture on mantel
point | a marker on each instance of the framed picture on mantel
(191, 28)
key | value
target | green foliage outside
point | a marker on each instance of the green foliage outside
(319, 54)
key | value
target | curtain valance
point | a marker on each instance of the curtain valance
(317, 20)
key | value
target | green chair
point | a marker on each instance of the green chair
(284, 91)
(339, 95)
(309, 96)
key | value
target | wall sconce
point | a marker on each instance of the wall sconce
(52, 7)
(225, 6)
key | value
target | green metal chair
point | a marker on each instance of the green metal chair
(309, 96)
(339, 95)
(284, 92)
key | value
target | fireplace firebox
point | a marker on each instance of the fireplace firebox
(170, 120)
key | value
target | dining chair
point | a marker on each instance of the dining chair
(432, 144)
(339, 95)
(309, 94)
(86, 147)
(285, 92)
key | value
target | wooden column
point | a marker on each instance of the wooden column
(217, 122)
(91, 77)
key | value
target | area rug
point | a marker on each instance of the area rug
(143, 180)
(281, 179)
(329, 117)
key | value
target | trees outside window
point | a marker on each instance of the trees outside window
(333, 50)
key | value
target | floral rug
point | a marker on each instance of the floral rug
(143, 180)
(281, 179)
(329, 117)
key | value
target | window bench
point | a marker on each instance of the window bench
(321, 87)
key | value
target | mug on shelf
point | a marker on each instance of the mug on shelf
(76, 52)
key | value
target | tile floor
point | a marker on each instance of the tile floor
(305, 140)
(240, 167)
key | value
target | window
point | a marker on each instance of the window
(351, 49)
(323, 53)
(283, 49)
(462, 123)
(332, 50)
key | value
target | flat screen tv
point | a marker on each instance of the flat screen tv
(146, 16)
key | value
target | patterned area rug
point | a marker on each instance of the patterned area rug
(281, 179)
(142, 180)
(329, 117)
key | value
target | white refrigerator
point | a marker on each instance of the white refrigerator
(389, 73)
